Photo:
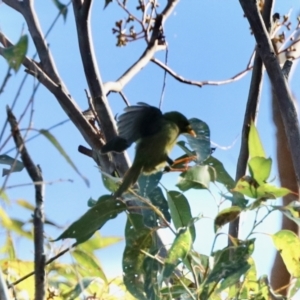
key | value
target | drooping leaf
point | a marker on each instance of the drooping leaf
(254, 143)
(178, 251)
(107, 2)
(197, 177)
(158, 199)
(99, 242)
(60, 149)
(138, 238)
(260, 168)
(89, 263)
(180, 211)
(106, 208)
(79, 287)
(16, 54)
(227, 215)
(63, 9)
(222, 175)
(292, 211)
(25, 204)
(16, 165)
(288, 245)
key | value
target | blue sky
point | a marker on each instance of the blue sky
(207, 40)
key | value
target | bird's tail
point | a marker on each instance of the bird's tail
(129, 179)
(117, 144)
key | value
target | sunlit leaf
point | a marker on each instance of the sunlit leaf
(89, 262)
(16, 165)
(260, 168)
(25, 204)
(246, 186)
(79, 287)
(292, 211)
(57, 145)
(197, 177)
(271, 191)
(106, 208)
(178, 251)
(16, 54)
(254, 143)
(288, 245)
(180, 211)
(227, 215)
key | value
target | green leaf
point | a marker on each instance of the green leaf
(110, 182)
(231, 263)
(227, 215)
(107, 2)
(99, 242)
(63, 9)
(79, 288)
(246, 186)
(269, 191)
(197, 177)
(180, 211)
(4, 196)
(158, 199)
(57, 145)
(288, 245)
(222, 175)
(260, 168)
(179, 250)
(148, 183)
(138, 237)
(89, 263)
(16, 54)
(107, 208)
(250, 284)
(201, 143)
(16, 165)
(292, 211)
(25, 204)
(254, 143)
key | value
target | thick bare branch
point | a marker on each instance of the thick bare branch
(278, 81)
(26, 9)
(251, 111)
(100, 103)
(38, 219)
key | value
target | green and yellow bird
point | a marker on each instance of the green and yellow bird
(155, 135)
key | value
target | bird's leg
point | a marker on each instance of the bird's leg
(184, 161)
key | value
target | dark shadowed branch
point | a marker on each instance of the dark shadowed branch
(38, 218)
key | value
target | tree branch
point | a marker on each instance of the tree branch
(38, 219)
(251, 112)
(100, 103)
(278, 81)
(25, 7)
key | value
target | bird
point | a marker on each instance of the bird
(155, 135)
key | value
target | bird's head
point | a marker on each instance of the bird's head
(181, 121)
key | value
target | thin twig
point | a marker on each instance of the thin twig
(5, 80)
(200, 83)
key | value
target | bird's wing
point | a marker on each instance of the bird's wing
(139, 121)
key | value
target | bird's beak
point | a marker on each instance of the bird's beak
(191, 131)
